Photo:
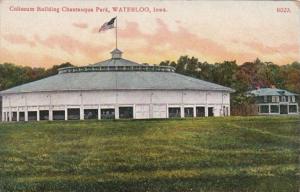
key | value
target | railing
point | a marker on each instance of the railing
(116, 68)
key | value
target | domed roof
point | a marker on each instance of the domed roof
(116, 60)
(117, 74)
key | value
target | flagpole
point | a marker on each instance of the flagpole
(116, 32)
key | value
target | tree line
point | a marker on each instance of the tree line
(242, 78)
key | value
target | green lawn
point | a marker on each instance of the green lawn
(210, 154)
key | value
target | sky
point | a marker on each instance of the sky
(212, 31)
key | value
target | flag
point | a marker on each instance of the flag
(108, 25)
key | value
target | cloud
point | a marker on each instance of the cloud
(179, 42)
(164, 42)
(70, 45)
(80, 25)
(265, 49)
(26, 59)
(18, 39)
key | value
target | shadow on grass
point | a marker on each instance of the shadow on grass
(221, 183)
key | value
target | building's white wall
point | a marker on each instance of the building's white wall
(147, 104)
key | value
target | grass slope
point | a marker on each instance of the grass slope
(211, 154)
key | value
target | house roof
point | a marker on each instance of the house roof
(271, 92)
(117, 74)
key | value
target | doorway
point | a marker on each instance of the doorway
(283, 109)
(210, 111)
(200, 111)
(188, 112)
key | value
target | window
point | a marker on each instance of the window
(189, 112)
(293, 99)
(91, 114)
(200, 111)
(274, 109)
(32, 115)
(107, 113)
(14, 116)
(174, 112)
(273, 99)
(277, 99)
(265, 99)
(210, 111)
(58, 115)
(264, 109)
(21, 116)
(74, 114)
(44, 115)
(125, 112)
(292, 108)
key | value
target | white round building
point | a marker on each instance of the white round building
(115, 89)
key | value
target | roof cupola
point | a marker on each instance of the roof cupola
(116, 54)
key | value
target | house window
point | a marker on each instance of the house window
(274, 109)
(264, 109)
(265, 99)
(277, 99)
(283, 99)
(293, 109)
(293, 99)
(273, 99)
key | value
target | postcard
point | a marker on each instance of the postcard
(149, 95)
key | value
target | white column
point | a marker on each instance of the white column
(133, 110)
(81, 113)
(182, 111)
(38, 115)
(194, 111)
(50, 113)
(99, 112)
(206, 106)
(81, 107)
(117, 112)
(167, 110)
(10, 115)
(26, 114)
(66, 113)
(18, 114)
(269, 109)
